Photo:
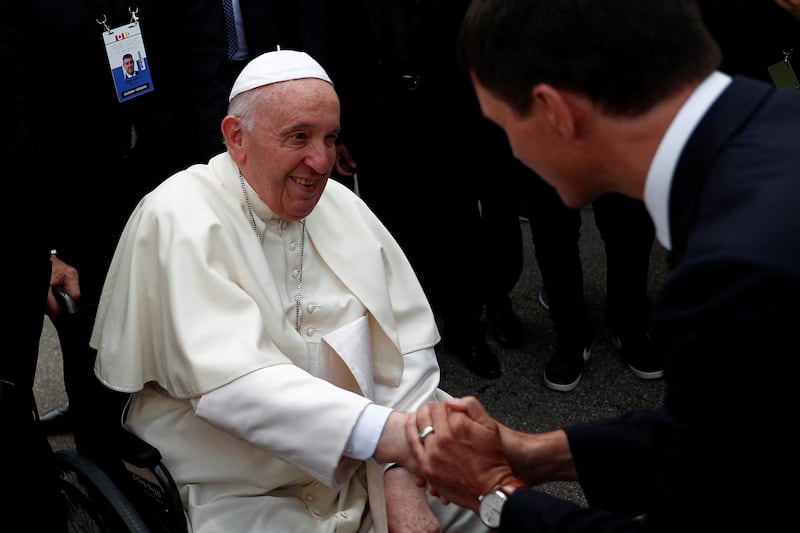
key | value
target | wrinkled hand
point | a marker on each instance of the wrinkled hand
(464, 457)
(407, 507)
(792, 6)
(61, 274)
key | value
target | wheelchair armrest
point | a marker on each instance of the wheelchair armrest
(153, 490)
(138, 452)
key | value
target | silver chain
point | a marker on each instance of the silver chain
(249, 207)
(299, 296)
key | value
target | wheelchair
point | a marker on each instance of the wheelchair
(93, 502)
(132, 491)
(136, 494)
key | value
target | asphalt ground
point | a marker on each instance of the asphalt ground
(518, 398)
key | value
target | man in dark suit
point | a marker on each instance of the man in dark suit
(123, 151)
(634, 104)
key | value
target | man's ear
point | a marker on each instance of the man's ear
(232, 133)
(556, 108)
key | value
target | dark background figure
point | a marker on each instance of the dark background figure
(26, 458)
(628, 235)
(263, 25)
(752, 35)
(124, 150)
(412, 125)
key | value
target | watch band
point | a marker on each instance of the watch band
(511, 486)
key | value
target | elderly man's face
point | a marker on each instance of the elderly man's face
(291, 152)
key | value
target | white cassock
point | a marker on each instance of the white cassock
(252, 415)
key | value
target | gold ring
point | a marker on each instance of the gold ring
(427, 430)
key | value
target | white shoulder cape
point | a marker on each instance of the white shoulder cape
(189, 301)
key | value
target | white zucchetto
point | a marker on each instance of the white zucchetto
(277, 66)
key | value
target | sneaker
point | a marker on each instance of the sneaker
(543, 299)
(563, 371)
(637, 354)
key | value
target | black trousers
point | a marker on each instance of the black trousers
(627, 233)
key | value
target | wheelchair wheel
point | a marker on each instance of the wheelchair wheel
(94, 503)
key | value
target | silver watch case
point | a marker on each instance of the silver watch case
(492, 507)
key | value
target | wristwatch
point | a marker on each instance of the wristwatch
(493, 501)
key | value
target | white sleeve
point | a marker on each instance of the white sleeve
(264, 407)
(420, 379)
(364, 440)
(281, 409)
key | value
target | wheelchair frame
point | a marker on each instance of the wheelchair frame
(138, 497)
(134, 493)
(93, 501)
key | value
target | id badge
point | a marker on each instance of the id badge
(783, 75)
(128, 61)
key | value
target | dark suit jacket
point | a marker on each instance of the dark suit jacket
(716, 454)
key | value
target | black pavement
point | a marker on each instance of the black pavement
(518, 398)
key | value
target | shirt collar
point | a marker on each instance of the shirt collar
(662, 169)
(260, 207)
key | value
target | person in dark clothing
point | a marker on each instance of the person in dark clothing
(265, 25)
(628, 234)
(753, 35)
(715, 160)
(125, 149)
(26, 457)
(421, 149)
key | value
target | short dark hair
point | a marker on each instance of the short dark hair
(625, 55)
